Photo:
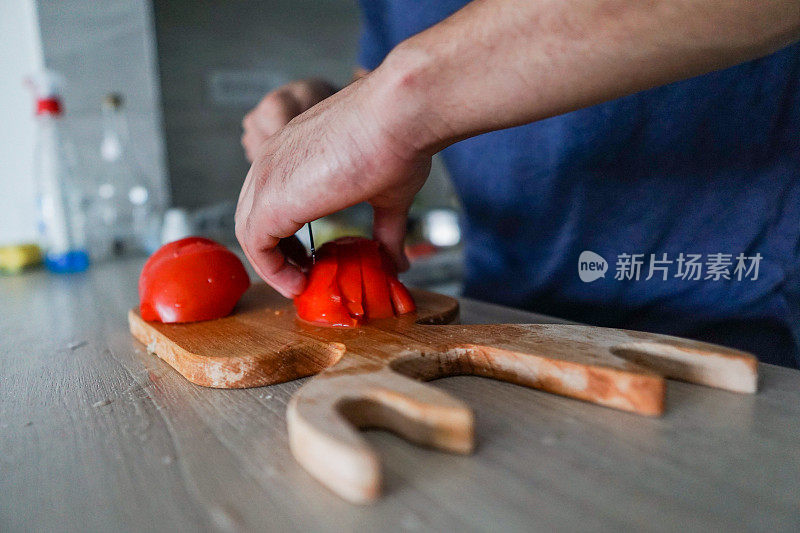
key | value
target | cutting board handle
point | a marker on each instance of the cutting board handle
(382, 386)
(324, 415)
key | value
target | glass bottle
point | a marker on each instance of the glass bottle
(123, 214)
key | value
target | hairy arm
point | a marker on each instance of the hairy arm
(501, 63)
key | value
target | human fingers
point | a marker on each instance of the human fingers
(274, 111)
(389, 228)
(269, 262)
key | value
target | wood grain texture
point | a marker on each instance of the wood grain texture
(165, 454)
(261, 342)
(370, 376)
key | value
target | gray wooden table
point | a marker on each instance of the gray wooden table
(97, 435)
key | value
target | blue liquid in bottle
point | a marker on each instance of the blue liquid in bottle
(74, 261)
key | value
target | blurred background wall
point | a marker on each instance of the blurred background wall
(20, 54)
(188, 69)
(217, 58)
(99, 47)
(104, 47)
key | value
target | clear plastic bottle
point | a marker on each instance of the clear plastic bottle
(61, 219)
(123, 212)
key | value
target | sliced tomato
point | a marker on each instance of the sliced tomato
(388, 264)
(348, 277)
(402, 301)
(352, 281)
(321, 301)
(189, 280)
(377, 301)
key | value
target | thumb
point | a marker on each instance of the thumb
(389, 228)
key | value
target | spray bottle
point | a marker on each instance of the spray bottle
(60, 217)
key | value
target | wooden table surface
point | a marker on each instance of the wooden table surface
(96, 434)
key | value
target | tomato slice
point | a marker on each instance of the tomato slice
(190, 280)
(348, 277)
(402, 301)
(377, 301)
(321, 301)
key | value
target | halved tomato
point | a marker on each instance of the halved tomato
(189, 280)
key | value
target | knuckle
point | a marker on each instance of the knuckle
(240, 229)
(281, 104)
(239, 232)
(247, 122)
(276, 98)
(306, 91)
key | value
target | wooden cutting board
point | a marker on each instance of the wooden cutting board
(373, 376)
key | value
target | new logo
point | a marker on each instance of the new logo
(591, 266)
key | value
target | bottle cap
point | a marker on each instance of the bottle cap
(113, 101)
(48, 106)
(47, 87)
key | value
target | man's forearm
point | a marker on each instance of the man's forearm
(501, 63)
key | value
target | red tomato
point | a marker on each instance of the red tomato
(402, 300)
(352, 281)
(348, 277)
(321, 301)
(189, 280)
(377, 301)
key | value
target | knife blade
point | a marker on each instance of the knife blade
(311, 241)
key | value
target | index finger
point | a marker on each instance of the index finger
(270, 263)
(260, 245)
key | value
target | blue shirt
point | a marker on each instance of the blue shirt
(707, 167)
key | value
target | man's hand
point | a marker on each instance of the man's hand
(277, 108)
(345, 150)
